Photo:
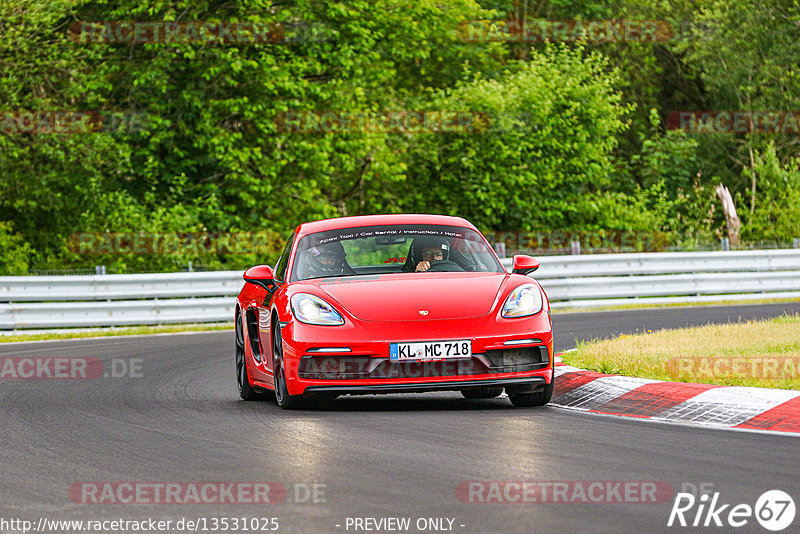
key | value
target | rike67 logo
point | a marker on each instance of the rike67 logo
(774, 510)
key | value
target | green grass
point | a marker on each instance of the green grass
(756, 353)
(117, 331)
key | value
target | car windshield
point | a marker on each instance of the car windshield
(388, 249)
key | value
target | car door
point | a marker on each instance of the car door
(263, 310)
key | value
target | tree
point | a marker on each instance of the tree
(545, 155)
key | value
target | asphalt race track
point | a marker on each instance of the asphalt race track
(179, 418)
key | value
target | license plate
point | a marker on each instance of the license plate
(430, 350)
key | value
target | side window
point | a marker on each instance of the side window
(280, 270)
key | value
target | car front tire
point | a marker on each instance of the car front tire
(282, 396)
(539, 398)
(246, 391)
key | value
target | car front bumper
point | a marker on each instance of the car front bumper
(414, 387)
(363, 365)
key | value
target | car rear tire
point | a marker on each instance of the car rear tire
(539, 398)
(482, 393)
(246, 391)
(282, 396)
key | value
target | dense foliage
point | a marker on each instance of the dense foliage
(569, 136)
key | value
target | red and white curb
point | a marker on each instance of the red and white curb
(745, 408)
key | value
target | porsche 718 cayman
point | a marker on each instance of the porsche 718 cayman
(391, 304)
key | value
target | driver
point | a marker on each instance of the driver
(431, 251)
(327, 260)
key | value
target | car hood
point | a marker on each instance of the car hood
(406, 297)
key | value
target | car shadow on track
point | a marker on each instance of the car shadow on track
(398, 403)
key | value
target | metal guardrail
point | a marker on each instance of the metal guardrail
(120, 286)
(668, 277)
(117, 299)
(115, 313)
(570, 281)
(648, 263)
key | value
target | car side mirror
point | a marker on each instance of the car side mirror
(524, 264)
(260, 275)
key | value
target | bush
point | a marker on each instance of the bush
(14, 252)
(776, 216)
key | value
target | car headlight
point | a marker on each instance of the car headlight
(313, 310)
(524, 300)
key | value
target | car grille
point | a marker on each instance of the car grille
(519, 357)
(328, 367)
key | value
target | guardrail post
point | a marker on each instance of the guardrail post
(725, 243)
(575, 248)
(99, 269)
(796, 242)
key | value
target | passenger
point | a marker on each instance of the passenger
(329, 259)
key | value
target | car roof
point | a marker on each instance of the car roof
(377, 220)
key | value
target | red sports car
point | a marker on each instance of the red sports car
(391, 304)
